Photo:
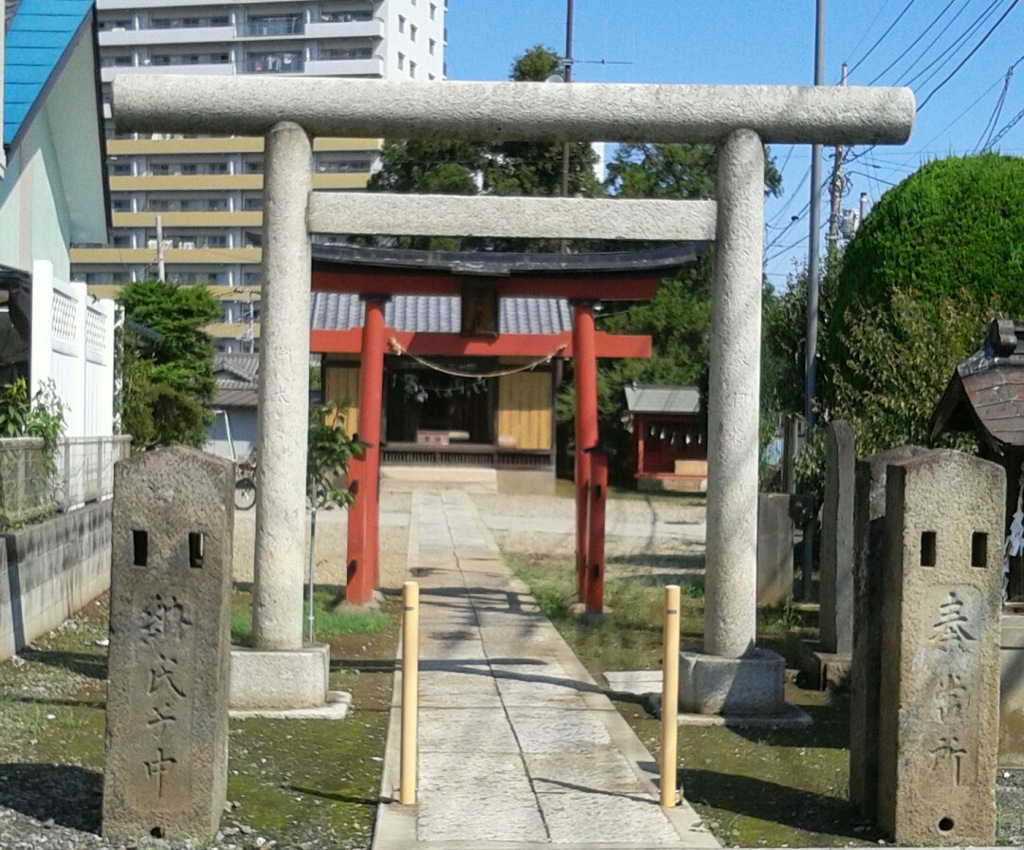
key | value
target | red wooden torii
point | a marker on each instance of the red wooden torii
(583, 279)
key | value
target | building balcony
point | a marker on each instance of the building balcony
(364, 67)
(150, 146)
(279, 63)
(172, 256)
(166, 35)
(346, 29)
(344, 180)
(212, 68)
(186, 182)
(243, 218)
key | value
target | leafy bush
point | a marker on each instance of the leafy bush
(953, 229)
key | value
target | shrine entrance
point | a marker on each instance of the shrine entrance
(454, 359)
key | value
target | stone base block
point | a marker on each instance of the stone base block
(279, 679)
(752, 685)
(826, 671)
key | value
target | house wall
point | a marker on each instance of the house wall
(243, 433)
(38, 220)
(51, 570)
(341, 386)
(524, 410)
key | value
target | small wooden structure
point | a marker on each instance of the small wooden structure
(669, 449)
(985, 397)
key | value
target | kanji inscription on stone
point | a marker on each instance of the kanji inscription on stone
(165, 770)
(939, 694)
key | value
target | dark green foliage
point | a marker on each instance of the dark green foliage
(457, 167)
(182, 353)
(42, 417)
(954, 228)
(901, 356)
(535, 65)
(167, 378)
(673, 171)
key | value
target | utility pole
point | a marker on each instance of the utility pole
(567, 75)
(812, 287)
(568, 79)
(836, 187)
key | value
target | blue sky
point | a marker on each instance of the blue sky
(884, 42)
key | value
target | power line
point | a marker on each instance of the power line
(911, 46)
(964, 61)
(947, 51)
(993, 121)
(935, 40)
(1013, 123)
(881, 38)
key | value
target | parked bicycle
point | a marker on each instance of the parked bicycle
(245, 484)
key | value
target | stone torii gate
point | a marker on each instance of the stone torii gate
(739, 120)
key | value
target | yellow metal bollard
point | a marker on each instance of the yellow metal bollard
(670, 697)
(410, 687)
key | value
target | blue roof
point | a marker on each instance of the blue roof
(36, 40)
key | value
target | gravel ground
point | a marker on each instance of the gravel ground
(44, 806)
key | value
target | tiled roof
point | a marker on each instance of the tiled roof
(440, 314)
(38, 37)
(244, 367)
(667, 399)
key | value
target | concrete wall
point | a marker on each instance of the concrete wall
(51, 570)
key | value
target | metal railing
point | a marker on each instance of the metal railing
(32, 488)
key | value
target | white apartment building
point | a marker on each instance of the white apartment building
(205, 193)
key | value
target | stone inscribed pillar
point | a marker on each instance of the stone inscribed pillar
(836, 592)
(165, 766)
(939, 706)
(866, 663)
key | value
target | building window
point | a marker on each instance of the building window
(412, 70)
(401, 24)
(433, 44)
(433, 11)
(412, 32)
(401, 61)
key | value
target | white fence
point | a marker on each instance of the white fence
(82, 472)
(73, 345)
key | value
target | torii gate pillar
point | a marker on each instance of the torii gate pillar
(363, 571)
(584, 364)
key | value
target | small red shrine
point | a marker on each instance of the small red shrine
(470, 356)
(669, 449)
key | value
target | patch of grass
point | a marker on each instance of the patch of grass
(313, 783)
(327, 623)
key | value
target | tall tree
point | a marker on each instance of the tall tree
(459, 167)
(938, 256)
(166, 362)
(678, 317)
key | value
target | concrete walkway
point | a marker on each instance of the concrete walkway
(518, 746)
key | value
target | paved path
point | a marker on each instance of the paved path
(518, 746)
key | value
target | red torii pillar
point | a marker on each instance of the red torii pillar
(363, 573)
(585, 372)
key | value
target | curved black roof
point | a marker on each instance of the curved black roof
(487, 263)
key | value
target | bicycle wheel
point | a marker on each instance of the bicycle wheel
(245, 494)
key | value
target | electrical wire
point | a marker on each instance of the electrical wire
(934, 41)
(985, 139)
(912, 44)
(964, 61)
(935, 67)
(881, 38)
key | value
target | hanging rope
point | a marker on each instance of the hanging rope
(1015, 539)
(396, 348)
